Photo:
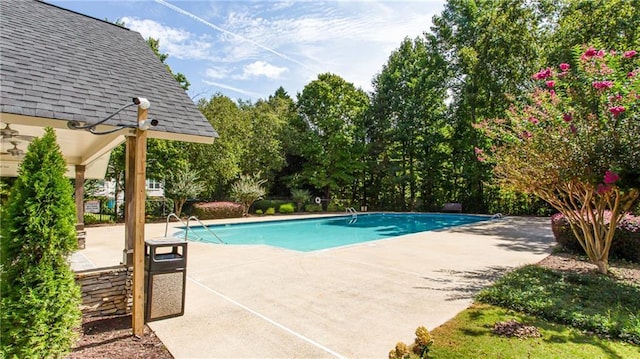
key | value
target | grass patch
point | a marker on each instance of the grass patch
(594, 303)
(469, 335)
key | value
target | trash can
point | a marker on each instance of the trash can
(165, 277)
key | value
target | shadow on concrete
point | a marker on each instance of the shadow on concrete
(519, 234)
(463, 285)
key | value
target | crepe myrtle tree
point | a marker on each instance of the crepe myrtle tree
(574, 142)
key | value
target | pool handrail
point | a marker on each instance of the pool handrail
(205, 227)
(354, 214)
(186, 232)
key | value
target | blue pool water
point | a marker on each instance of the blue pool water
(312, 234)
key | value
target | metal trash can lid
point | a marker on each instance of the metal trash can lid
(164, 241)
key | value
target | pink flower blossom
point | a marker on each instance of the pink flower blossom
(551, 84)
(631, 74)
(478, 150)
(564, 66)
(552, 93)
(573, 128)
(481, 159)
(567, 117)
(629, 54)
(616, 110)
(610, 177)
(603, 188)
(599, 85)
(526, 134)
(534, 120)
(542, 74)
(591, 52)
(600, 54)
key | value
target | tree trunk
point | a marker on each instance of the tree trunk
(603, 266)
(179, 203)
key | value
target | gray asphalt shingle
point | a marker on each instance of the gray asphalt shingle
(59, 64)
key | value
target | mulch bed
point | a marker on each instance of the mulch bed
(112, 337)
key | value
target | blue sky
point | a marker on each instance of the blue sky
(247, 49)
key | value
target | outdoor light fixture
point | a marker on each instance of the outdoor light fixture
(141, 102)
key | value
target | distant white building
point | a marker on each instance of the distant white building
(107, 189)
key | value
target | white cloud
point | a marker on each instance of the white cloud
(217, 72)
(261, 68)
(177, 43)
(231, 88)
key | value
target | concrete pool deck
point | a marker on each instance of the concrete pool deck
(355, 302)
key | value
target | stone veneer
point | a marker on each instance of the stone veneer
(105, 291)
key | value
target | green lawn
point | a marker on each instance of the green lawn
(469, 335)
(578, 316)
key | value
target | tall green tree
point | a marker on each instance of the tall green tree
(264, 144)
(407, 129)
(287, 178)
(39, 308)
(492, 47)
(610, 23)
(331, 135)
(219, 163)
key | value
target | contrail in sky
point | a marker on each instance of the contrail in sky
(215, 27)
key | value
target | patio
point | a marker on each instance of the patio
(358, 301)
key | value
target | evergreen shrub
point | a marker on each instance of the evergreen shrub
(39, 308)
(286, 208)
(265, 204)
(270, 210)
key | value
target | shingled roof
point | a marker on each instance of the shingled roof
(61, 65)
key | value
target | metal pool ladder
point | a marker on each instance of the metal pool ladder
(186, 232)
(354, 215)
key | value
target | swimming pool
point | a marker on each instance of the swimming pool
(311, 234)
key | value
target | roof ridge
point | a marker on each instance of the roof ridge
(79, 13)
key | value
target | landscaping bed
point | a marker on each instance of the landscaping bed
(111, 337)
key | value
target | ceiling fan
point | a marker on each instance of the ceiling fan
(10, 134)
(15, 151)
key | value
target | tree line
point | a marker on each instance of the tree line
(409, 144)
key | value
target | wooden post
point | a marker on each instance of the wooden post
(127, 253)
(80, 196)
(139, 196)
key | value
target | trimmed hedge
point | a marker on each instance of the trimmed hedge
(217, 210)
(626, 239)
